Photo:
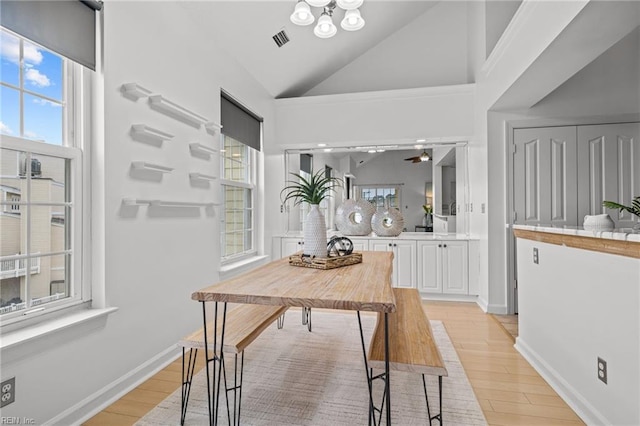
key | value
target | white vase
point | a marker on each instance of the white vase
(315, 233)
(598, 222)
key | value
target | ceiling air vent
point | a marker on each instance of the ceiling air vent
(281, 38)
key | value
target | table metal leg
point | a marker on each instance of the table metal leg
(387, 387)
(214, 378)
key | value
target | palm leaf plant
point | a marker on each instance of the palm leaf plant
(634, 208)
(312, 190)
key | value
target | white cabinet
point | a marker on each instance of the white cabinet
(443, 267)
(291, 245)
(359, 244)
(404, 260)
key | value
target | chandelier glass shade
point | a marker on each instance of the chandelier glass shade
(302, 14)
(325, 28)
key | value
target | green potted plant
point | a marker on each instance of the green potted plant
(312, 191)
(634, 209)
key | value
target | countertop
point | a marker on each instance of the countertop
(623, 234)
(422, 236)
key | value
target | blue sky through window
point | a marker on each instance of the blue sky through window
(42, 74)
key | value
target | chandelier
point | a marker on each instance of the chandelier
(325, 27)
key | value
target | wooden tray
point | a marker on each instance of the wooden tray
(326, 262)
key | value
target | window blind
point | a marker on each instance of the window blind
(67, 27)
(239, 123)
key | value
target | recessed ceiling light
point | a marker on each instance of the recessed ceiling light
(421, 140)
(322, 144)
(328, 149)
(380, 150)
(417, 146)
(372, 151)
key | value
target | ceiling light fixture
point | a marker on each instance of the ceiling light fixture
(325, 28)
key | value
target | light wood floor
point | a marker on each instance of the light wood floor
(510, 392)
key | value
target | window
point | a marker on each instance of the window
(41, 179)
(240, 142)
(381, 195)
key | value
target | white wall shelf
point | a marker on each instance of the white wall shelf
(202, 149)
(165, 105)
(164, 203)
(149, 132)
(212, 127)
(201, 176)
(135, 91)
(143, 165)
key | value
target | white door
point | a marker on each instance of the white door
(608, 170)
(545, 176)
(405, 263)
(428, 261)
(455, 267)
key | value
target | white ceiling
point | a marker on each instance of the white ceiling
(247, 27)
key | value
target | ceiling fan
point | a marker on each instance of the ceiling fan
(422, 157)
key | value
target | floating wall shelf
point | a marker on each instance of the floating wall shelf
(135, 91)
(143, 165)
(202, 149)
(164, 203)
(165, 105)
(150, 132)
(212, 127)
(201, 176)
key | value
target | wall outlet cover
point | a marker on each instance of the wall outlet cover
(8, 394)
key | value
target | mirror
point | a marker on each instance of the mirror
(383, 176)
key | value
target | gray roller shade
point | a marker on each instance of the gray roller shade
(239, 123)
(66, 27)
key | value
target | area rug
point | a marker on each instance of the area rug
(296, 377)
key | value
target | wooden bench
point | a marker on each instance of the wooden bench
(244, 323)
(412, 347)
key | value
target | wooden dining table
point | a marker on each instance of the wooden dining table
(364, 286)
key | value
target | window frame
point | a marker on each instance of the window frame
(252, 185)
(75, 146)
(377, 187)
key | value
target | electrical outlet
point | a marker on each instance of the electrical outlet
(535, 255)
(602, 370)
(8, 388)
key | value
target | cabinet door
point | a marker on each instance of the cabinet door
(455, 267)
(360, 244)
(428, 261)
(608, 169)
(380, 245)
(291, 246)
(405, 264)
(545, 176)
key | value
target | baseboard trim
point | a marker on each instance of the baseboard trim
(568, 393)
(95, 403)
(449, 297)
(497, 309)
(484, 305)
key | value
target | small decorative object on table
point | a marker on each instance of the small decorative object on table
(312, 191)
(634, 209)
(339, 253)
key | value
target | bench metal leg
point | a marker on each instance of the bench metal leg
(188, 368)
(280, 321)
(214, 378)
(236, 389)
(426, 397)
(386, 395)
(306, 317)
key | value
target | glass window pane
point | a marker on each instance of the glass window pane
(48, 281)
(42, 71)
(9, 111)
(48, 178)
(48, 229)
(12, 296)
(9, 58)
(42, 120)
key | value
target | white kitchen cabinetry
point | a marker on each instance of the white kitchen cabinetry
(443, 267)
(359, 244)
(404, 260)
(291, 245)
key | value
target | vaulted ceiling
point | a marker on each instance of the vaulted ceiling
(305, 61)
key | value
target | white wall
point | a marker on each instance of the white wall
(154, 259)
(498, 14)
(575, 306)
(437, 40)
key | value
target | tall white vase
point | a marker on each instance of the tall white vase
(315, 233)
